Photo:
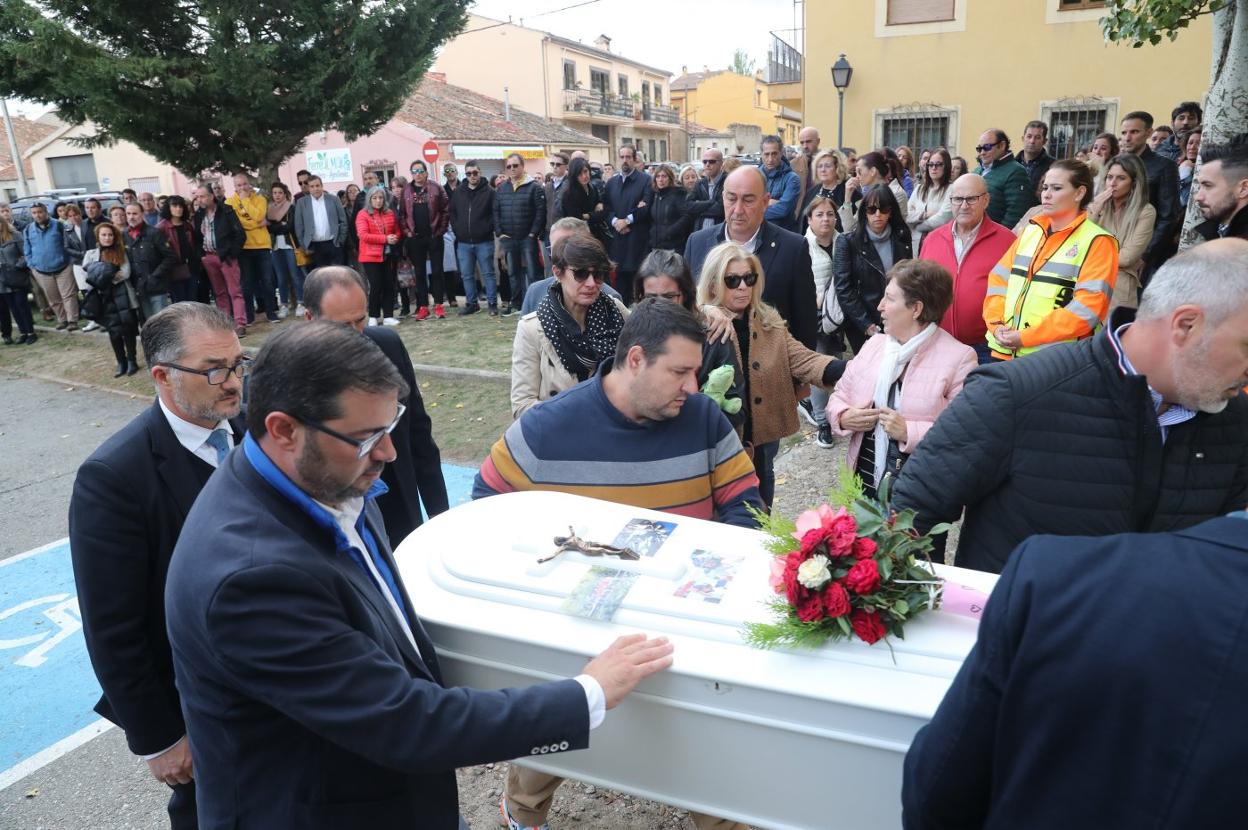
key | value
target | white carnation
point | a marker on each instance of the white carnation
(814, 573)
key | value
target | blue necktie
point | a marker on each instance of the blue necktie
(218, 441)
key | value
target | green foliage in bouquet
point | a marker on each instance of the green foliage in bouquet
(849, 568)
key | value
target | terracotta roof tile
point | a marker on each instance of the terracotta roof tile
(453, 113)
(28, 133)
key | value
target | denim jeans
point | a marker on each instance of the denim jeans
(187, 290)
(470, 255)
(153, 303)
(522, 264)
(289, 275)
(326, 253)
(257, 272)
(984, 353)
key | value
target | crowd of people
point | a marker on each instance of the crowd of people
(972, 335)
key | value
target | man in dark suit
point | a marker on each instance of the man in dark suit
(1106, 690)
(340, 295)
(312, 694)
(706, 203)
(627, 205)
(129, 502)
(789, 284)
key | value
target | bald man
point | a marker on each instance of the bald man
(789, 285)
(804, 164)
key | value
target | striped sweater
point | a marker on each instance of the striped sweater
(691, 465)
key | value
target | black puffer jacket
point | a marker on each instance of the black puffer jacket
(472, 213)
(520, 212)
(1062, 442)
(226, 228)
(151, 260)
(670, 219)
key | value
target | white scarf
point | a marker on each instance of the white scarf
(896, 358)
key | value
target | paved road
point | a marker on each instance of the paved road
(60, 766)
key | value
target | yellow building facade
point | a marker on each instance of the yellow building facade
(940, 72)
(718, 99)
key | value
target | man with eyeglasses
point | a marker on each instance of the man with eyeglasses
(968, 247)
(706, 204)
(304, 668)
(302, 178)
(340, 295)
(472, 220)
(554, 194)
(519, 221)
(1009, 186)
(126, 513)
(424, 216)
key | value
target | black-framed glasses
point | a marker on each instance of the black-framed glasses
(874, 209)
(216, 375)
(363, 446)
(966, 200)
(582, 274)
(556, 164)
(734, 280)
(511, 166)
(932, 164)
(472, 173)
(710, 161)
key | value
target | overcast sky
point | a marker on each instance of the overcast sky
(666, 34)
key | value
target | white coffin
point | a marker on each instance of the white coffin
(774, 739)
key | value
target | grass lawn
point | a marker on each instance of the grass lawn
(468, 415)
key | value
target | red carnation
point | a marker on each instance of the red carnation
(810, 608)
(812, 540)
(867, 626)
(841, 534)
(835, 600)
(792, 588)
(864, 548)
(864, 577)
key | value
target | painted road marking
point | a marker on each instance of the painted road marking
(47, 685)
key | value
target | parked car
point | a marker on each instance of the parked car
(21, 207)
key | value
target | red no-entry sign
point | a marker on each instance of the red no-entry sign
(430, 151)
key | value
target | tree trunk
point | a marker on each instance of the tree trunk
(1226, 107)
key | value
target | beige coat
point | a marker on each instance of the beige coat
(1131, 246)
(779, 367)
(536, 371)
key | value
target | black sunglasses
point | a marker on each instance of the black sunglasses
(983, 148)
(474, 172)
(935, 164)
(362, 446)
(216, 376)
(874, 209)
(734, 280)
(511, 166)
(582, 274)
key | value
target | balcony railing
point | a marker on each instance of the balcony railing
(593, 102)
(660, 113)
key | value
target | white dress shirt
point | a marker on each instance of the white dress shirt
(320, 220)
(194, 437)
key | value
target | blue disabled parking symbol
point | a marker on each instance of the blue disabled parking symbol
(46, 681)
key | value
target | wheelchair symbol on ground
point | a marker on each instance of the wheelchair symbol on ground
(61, 610)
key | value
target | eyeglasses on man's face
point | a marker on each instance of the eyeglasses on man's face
(363, 446)
(966, 200)
(511, 166)
(983, 148)
(216, 375)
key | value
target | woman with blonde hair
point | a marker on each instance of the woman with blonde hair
(1123, 209)
(829, 183)
(689, 177)
(775, 363)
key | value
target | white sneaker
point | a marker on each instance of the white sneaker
(301, 312)
(372, 321)
(389, 321)
(283, 312)
(91, 326)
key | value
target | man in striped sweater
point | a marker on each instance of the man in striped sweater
(638, 432)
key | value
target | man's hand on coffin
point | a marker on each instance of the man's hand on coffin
(627, 662)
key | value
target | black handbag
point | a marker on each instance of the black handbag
(15, 278)
(92, 305)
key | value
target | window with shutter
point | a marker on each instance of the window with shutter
(902, 12)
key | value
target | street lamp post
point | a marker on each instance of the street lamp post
(841, 73)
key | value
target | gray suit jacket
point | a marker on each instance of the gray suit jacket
(305, 224)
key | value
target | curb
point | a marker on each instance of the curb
(73, 384)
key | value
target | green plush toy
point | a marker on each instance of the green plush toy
(718, 382)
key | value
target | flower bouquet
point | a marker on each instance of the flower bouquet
(849, 568)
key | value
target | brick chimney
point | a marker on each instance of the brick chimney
(603, 42)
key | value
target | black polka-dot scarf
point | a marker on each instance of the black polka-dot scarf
(580, 352)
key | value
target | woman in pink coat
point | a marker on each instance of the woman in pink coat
(904, 377)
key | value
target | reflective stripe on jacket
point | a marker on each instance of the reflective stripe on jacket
(1052, 287)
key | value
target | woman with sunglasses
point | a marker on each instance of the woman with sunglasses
(665, 275)
(862, 257)
(872, 171)
(112, 300)
(929, 206)
(904, 377)
(776, 364)
(574, 329)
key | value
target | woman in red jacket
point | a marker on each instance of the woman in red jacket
(378, 230)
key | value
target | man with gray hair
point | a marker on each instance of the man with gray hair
(129, 502)
(1141, 428)
(339, 294)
